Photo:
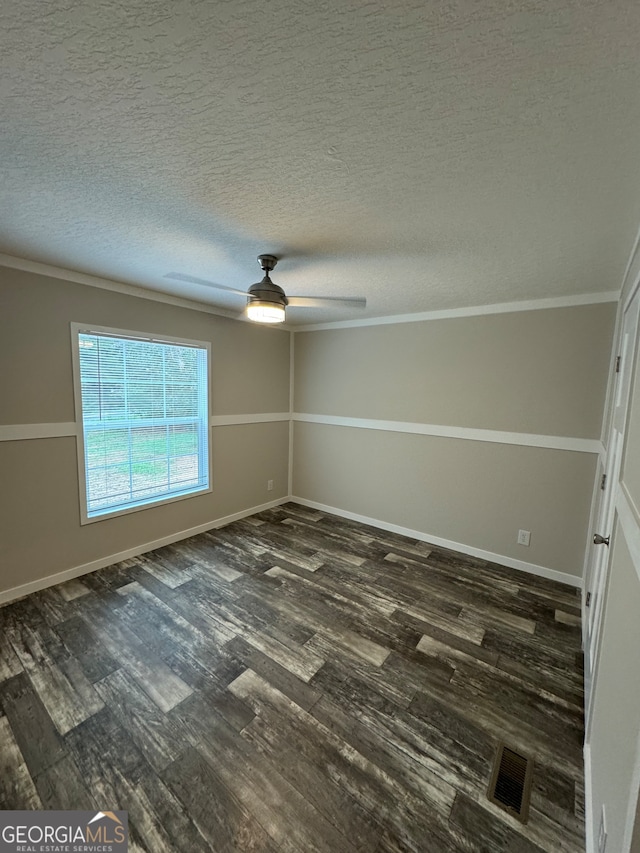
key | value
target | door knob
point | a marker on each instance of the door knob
(600, 540)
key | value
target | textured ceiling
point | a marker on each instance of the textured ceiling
(425, 155)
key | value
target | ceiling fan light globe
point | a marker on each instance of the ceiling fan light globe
(265, 312)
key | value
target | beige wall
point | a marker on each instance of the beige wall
(250, 364)
(466, 491)
(531, 371)
(537, 371)
(40, 531)
(541, 372)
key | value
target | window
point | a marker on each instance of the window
(143, 415)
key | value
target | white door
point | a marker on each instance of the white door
(596, 579)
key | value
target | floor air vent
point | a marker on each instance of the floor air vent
(510, 785)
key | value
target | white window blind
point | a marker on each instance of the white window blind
(145, 420)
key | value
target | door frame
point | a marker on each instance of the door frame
(603, 510)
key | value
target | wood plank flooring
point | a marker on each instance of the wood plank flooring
(297, 682)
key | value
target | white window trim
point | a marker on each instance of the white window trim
(76, 329)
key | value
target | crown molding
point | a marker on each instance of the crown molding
(473, 311)
(39, 268)
(26, 265)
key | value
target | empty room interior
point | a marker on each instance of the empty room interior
(320, 424)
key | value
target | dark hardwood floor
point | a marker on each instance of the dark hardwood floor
(297, 682)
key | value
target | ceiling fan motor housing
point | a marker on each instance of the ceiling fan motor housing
(266, 290)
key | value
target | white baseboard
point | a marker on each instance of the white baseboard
(75, 572)
(521, 565)
(60, 577)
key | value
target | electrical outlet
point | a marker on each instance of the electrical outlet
(602, 833)
(269, 485)
(524, 537)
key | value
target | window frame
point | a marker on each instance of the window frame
(88, 328)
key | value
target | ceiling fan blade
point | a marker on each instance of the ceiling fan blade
(178, 276)
(326, 301)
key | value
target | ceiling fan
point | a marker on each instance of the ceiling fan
(266, 301)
